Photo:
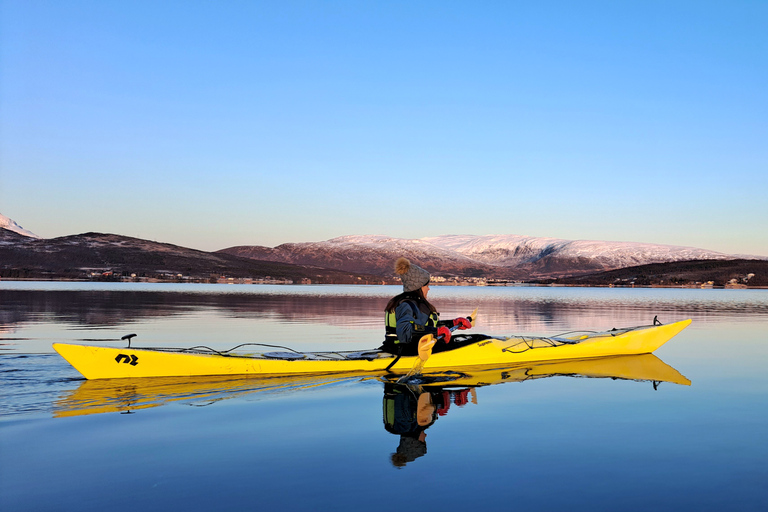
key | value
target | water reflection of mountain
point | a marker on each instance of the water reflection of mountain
(108, 308)
(507, 313)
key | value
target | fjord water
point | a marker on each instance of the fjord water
(321, 443)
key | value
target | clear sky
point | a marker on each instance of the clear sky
(210, 124)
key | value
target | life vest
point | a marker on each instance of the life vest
(399, 410)
(390, 322)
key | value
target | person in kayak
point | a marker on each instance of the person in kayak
(410, 316)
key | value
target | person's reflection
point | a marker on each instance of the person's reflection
(410, 410)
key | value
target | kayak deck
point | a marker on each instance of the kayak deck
(107, 362)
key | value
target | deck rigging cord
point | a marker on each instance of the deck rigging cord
(557, 340)
(202, 349)
(521, 344)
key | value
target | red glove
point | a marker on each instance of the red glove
(443, 410)
(463, 323)
(445, 332)
(460, 397)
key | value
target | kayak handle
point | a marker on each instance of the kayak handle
(128, 337)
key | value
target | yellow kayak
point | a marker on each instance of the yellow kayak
(110, 363)
(128, 395)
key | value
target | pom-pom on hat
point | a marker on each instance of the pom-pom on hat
(412, 276)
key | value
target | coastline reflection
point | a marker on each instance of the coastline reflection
(507, 311)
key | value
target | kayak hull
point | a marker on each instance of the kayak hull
(109, 363)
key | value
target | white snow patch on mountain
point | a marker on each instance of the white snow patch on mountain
(515, 250)
(391, 245)
(510, 250)
(11, 225)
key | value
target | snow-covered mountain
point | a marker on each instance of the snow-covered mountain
(11, 225)
(489, 256)
(507, 256)
(375, 253)
(515, 250)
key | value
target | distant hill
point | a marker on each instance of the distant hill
(499, 257)
(740, 272)
(113, 256)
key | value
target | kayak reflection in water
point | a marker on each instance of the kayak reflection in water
(409, 316)
(410, 410)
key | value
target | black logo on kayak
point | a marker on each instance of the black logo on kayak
(131, 360)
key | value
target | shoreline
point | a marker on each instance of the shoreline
(241, 282)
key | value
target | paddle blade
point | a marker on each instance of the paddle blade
(425, 346)
(473, 317)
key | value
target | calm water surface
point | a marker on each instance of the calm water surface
(529, 441)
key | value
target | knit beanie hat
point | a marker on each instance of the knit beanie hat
(408, 450)
(412, 276)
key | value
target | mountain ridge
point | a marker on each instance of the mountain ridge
(495, 256)
(116, 256)
(350, 258)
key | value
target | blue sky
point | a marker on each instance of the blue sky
(211, 124)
